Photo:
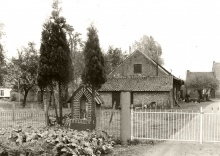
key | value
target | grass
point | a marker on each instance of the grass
(33, 115)
(113, 127)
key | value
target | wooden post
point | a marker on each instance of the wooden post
(32, 109)
(171, 98)
(13, 112)
(125, 117)
(71, 104)
(46, 111)
(98, 116)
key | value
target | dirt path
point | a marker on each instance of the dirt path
(170, 148)
(176, 148)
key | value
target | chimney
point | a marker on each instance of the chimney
(213, 66)
(187, 72)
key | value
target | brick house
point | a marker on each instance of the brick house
(216, 71)
(146, 80)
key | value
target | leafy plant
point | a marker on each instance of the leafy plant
(54, 141)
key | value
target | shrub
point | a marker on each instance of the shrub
(13, 97)
(54, 141)
(133, 142)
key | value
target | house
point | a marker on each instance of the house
(5, 92)
(81, 107)
(146, 80)
(216, 71)
(193, 93)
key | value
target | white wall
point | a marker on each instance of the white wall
(6, 92)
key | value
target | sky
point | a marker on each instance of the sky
(187, 30)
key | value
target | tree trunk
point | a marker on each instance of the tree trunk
(55, 107)
(60, 104)
(41, 95)
(93, 109)
(200, 95)
(25, 97)
(41, 101)
(54, 103)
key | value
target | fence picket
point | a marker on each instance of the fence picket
(176, 125)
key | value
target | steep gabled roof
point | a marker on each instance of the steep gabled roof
(88, 89)
(147, 57)
(154, 83)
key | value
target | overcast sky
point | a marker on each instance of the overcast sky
(187, 30)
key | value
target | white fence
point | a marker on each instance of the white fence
(175, 125)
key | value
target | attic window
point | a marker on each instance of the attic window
(138, 68)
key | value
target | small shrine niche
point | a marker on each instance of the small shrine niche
(81, 107)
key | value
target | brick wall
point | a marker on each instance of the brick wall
(127, 68)
(161, 98)
(107, 98)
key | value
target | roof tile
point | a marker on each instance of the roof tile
(155, 83)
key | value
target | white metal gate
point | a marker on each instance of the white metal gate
(175, 125)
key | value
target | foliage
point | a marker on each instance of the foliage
(55, 64)
(76, 45)
(54, 141)
(94, 72)
(13, 97)
(22, 71)
(133, 142)
(113, 58)
(201, 82)
(150, 47)
(3, 71)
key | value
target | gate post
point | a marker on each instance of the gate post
(201, 126)
(125, 131)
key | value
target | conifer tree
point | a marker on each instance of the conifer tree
(55, 60)
(94, 73)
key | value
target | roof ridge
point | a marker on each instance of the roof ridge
(139, 77)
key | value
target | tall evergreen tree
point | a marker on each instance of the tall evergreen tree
(2, 58)
(94, 72)
(55, 60)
